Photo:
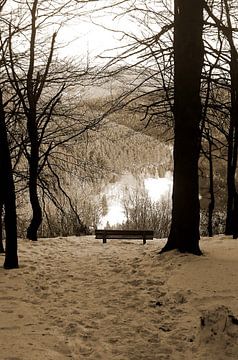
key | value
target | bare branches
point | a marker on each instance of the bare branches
(38, 86)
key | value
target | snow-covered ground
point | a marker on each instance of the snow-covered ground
(76, 298)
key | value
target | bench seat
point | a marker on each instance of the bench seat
(124, 234)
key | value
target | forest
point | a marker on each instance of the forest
(166, 88)
(119, 115)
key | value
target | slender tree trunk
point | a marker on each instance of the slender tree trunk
(211, 205)
(2, 251)
(227, 29)
(33, 179)
(188, 60)
(36, 208)
(231, 187)
(33, 98)
(235, 217)
(230, 182)
(232, 164)
(7, 193)
(232, 146)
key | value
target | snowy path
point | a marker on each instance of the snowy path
(75, 298)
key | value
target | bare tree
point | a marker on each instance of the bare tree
(227, 29)
(152, 93)
(188, 44)
(39, 82)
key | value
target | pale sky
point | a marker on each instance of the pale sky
(89, 37)
(87, 34)
(83, 32)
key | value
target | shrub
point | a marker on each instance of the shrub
(143, 213)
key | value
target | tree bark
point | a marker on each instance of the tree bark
(188, 60)
(231, 188)
(231, 217)
(7, 195)
(36, 208)
(211, 205)
(235, 217)
(33, 179)
(2, 251)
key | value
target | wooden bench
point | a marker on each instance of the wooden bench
(124, 234)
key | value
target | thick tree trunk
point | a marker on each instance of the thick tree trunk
(188, 60)
(8, 196)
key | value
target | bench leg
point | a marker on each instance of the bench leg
(144, 241)
(104, 240)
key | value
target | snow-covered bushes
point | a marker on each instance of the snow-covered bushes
(143, 213)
